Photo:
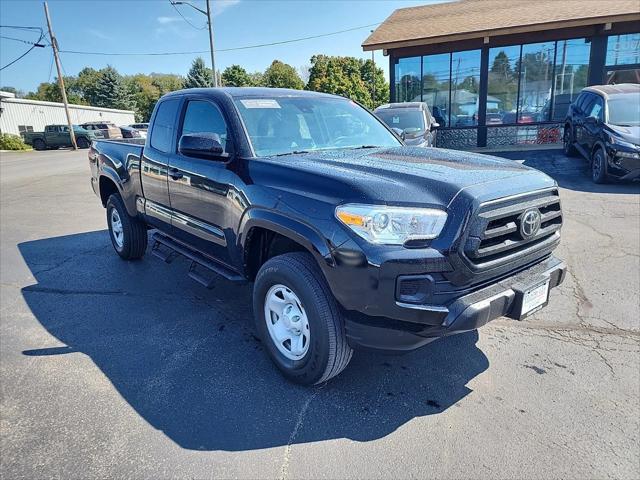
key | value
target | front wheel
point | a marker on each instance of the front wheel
(599, 166)
(299, 320)
(128, 234)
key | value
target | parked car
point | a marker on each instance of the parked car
(413, 119)
(494, 119)
(603, 125)
(141, 127)
(56, 136)
(104, 129)
(351, 239)
(128, 132)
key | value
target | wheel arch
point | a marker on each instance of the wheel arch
(265, 233)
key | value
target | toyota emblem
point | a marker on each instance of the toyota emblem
(530, 223)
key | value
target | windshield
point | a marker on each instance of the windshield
(284, 125)
(625, 110)
(408, 121)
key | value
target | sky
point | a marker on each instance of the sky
(143, 26)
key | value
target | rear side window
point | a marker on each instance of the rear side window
(163, 125)
(202, 116)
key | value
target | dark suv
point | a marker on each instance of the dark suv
(603, 124)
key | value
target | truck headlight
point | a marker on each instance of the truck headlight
(385, 225)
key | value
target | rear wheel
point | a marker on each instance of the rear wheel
(599, 166)
(567, 143)
(39, 144)
(82, 142)
(299, 320)
(128, 234)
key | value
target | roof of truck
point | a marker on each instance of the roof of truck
(238, 92)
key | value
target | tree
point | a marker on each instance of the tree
(282, 75)
(15, 91)
(86, 84)
(235, 76)
(257, 79)
(50, 92)
(339, 76)
(199, 76)
(369, 72)
(501, 65)
(110, 91)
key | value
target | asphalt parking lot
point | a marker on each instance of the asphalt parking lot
(115, 369)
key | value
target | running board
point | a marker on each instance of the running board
(167, 249)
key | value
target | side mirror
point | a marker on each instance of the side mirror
(399, 132)
(435, 126)
(201, 145)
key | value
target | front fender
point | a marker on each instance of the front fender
(297, 230)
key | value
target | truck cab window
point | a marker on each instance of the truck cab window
(162, 133)
(203, 116)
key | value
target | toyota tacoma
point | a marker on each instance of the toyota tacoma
(350, 238)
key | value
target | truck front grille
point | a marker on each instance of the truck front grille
(501, 231)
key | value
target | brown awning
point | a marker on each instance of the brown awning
(465, 19)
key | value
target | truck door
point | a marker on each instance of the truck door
(51, 135)
(63, 138)
(154, 164)
(198, 188)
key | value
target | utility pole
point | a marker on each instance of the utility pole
(207, 13)
(213, 60)
(54, 45)
(373, 77)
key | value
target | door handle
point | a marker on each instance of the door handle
(175, 174)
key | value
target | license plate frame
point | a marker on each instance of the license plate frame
(531, 300)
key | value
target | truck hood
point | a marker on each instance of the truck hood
(401, 175)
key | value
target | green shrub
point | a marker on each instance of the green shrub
(9, 141)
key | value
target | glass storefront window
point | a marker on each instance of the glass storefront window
(465, 88)
(623, 49)
(536, 72)
(571, 74)
(502, 88)
(407, 80)
(435, 85)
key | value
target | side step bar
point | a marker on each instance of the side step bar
(168, 249)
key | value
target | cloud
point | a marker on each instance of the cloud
(222, 5)
(98, 34)
(168, 20)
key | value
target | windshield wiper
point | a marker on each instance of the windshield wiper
(366, 146)
(295, 152)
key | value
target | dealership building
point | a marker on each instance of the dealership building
(20, 115)
(503, 72)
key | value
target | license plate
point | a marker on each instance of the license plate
(534, 299)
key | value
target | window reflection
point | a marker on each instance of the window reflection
(623, 49)
(571, 74)
(465, 88)
(502, 88)
(436, 84)
(536, 71)
(407, 80)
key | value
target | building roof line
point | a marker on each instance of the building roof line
(61, 105)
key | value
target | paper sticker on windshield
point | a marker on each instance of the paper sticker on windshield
(395, 119)
(260, 103)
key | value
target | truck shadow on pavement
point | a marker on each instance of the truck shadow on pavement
(186, 359)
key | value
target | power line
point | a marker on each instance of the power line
(245, 47)
(37, 44)
(22, 41)
(185, 18)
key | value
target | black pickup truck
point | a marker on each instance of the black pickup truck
(351, 239)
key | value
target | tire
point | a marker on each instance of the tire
(39, 144)
(599, 166)
(82, 142)
(568, 144)
(128, 234)
(327, 351)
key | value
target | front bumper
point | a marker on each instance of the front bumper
(467, 312)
